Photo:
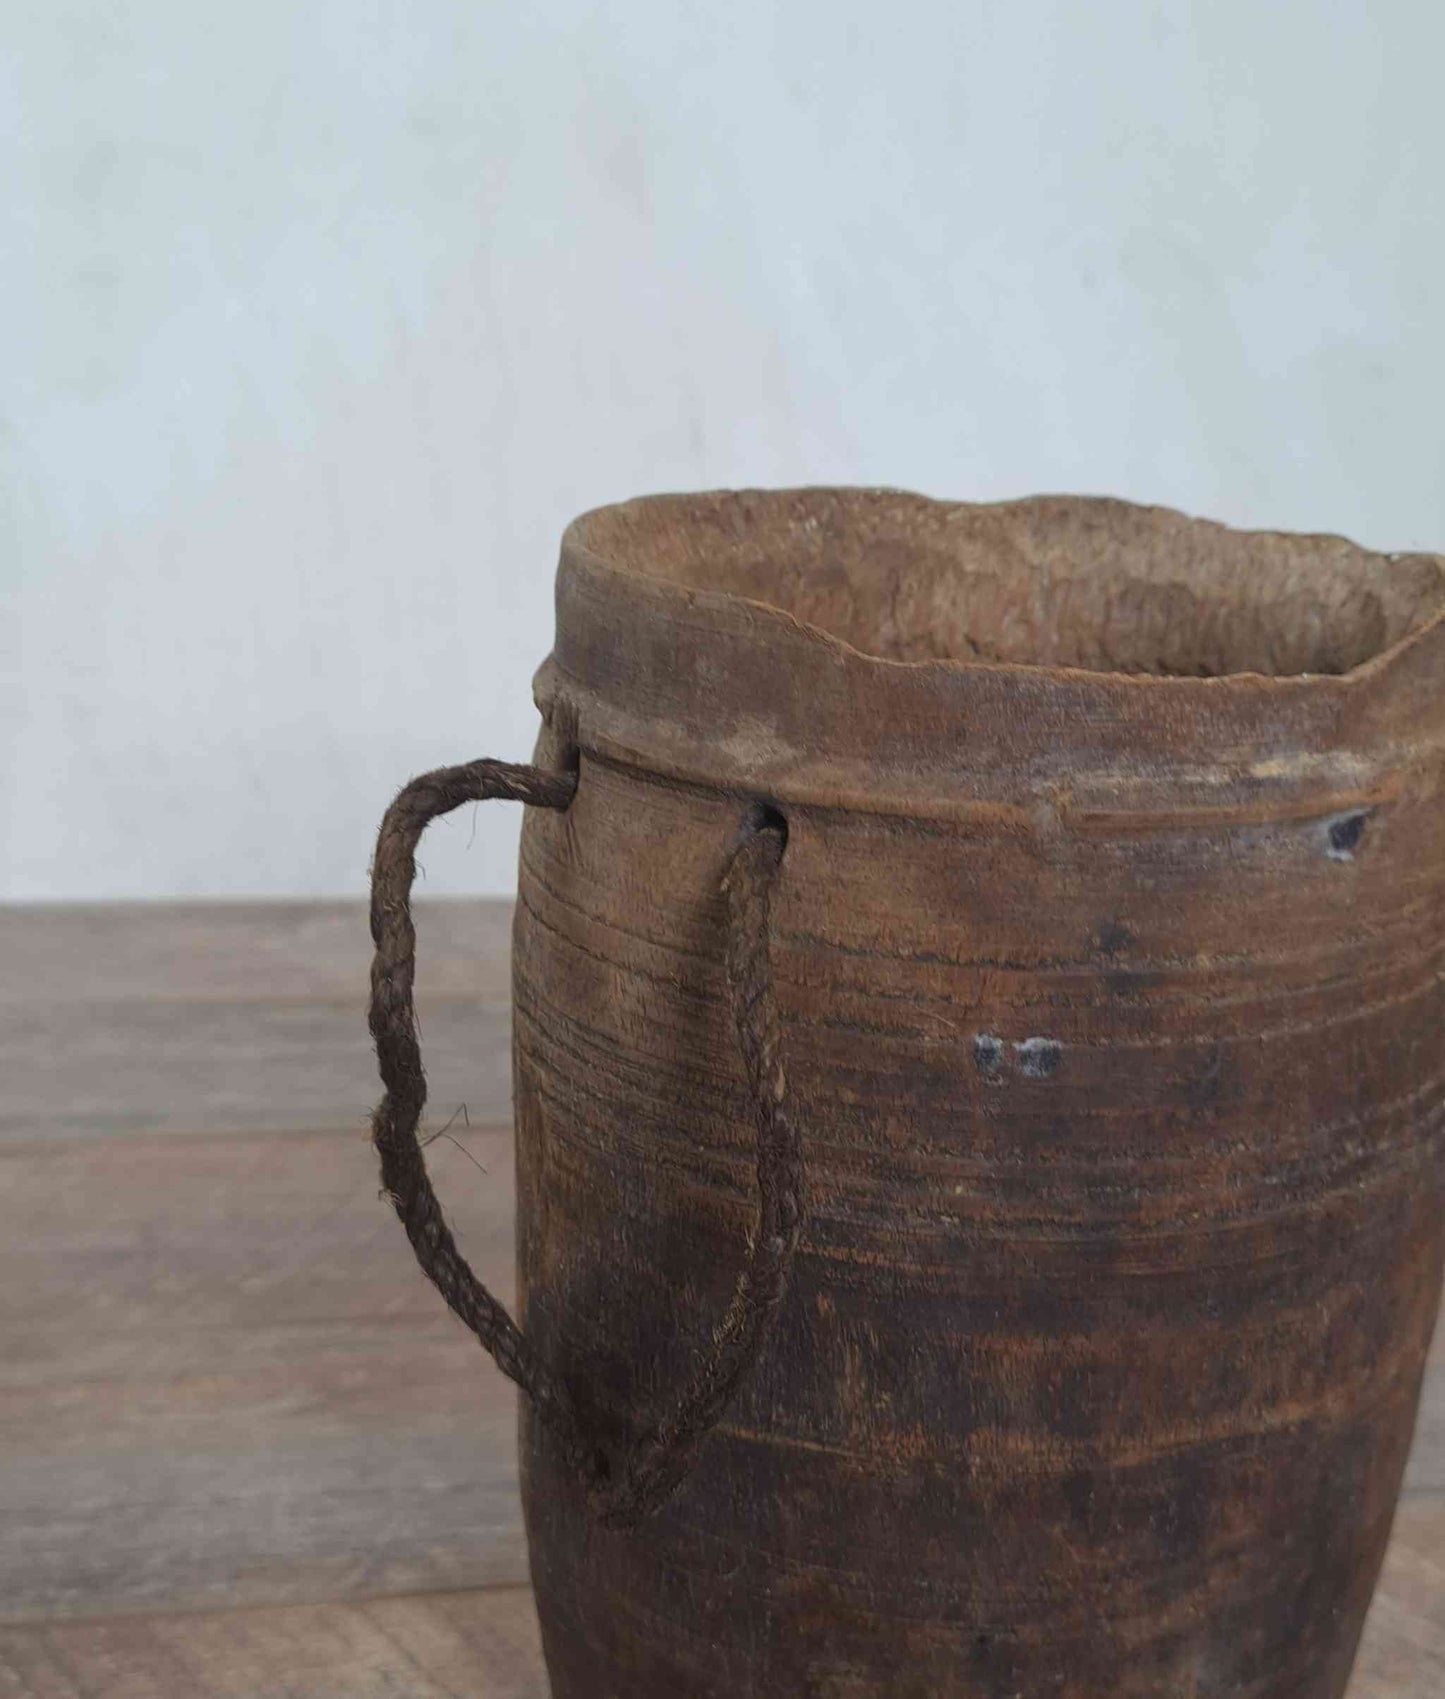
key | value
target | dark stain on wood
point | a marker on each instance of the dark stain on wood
(290, 1394)
(1098, 1371)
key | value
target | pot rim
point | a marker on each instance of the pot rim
(577, 544)
(712, 687)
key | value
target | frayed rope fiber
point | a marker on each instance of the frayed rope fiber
(621, 1491)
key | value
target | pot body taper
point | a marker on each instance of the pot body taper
(1113, 1013)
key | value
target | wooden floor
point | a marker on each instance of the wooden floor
(244, 1452)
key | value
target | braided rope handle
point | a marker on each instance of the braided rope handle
(622, 1493)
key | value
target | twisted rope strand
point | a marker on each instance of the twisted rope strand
(398, 1053)
(661, 1460)
(658, 1462)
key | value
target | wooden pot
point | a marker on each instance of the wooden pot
(1107, 950)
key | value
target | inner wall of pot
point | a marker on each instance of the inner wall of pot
(1051, 581)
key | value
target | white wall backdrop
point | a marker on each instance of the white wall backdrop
(319, 320)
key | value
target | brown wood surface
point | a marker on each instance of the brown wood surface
(235, 1423)
(434, 1646)
(232, 1017)
(1107, 948)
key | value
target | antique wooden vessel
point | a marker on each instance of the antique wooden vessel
(1106, 956)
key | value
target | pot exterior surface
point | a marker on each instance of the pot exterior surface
(1116, 1046)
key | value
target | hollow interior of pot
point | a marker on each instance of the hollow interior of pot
(1053, 581)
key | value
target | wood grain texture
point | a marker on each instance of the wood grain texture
(226, 1380)
(223, 1382)
(294, 952)
(989, 1311)
(1402, 1655)
(445, 1646)
(1111, 993)
(484, 1645)
(232, 1017)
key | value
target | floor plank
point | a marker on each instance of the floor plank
(483, 1645)
(235, 952)
(1403, 1652)
(1426, 1471)
(234, 1017)
(479, 1645)
(232, 1067)
(226, 1379)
